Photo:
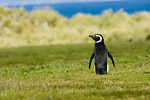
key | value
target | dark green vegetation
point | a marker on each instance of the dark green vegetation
(60, 72)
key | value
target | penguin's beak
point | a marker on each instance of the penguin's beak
(91, 36)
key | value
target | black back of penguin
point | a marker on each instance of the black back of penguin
(100, 54)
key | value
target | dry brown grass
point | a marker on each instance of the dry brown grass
(42, 27)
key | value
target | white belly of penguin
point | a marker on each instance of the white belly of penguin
(107, 65)
(94, 69)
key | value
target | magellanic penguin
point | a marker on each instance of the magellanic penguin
(100, 54)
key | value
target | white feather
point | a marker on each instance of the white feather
(94, 69)
(100, 39)
(107, 65)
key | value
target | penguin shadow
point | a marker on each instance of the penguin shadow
(146, 72)
(130, 40)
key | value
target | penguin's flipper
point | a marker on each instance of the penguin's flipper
(112, 60)
(92, 56)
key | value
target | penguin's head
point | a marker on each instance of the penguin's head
(98, 38)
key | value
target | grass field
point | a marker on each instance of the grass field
(60, 72)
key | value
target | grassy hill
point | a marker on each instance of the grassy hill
(43, 27)
(61, 72)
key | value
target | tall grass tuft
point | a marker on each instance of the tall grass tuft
(42, 27)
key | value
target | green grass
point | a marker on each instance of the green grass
(60, 72)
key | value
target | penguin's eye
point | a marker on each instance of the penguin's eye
(97, 38)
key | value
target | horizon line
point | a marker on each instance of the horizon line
(31, 2)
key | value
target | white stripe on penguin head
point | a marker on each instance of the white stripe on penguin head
(100, 39)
